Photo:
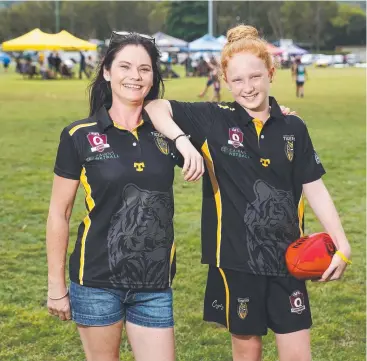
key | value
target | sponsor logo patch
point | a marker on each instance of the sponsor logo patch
(103, 156)
(265, 162)
(239, 153)
(139, 166)
(317, 158)
(217, 306)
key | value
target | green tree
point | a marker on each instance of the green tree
(349, 26)
(309, 21)
(187, 19)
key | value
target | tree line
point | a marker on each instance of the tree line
(313, 24)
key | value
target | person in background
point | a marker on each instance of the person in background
(213, 75)
(82, 66)
(67, 68)
(299, 75)
(6, 62)
(41, 57)
(90, 65)
(57, 63)
(51, 61)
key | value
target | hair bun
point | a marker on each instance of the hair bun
(241, 32)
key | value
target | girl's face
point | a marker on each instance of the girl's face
(249, 80)
(131, 74)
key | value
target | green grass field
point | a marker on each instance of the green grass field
(32, 115)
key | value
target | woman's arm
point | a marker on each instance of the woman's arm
(160, 113)
(321, 203)
(57, 237)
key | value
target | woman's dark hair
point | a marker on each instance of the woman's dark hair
(100, 91)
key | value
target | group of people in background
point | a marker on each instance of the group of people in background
(53, 66)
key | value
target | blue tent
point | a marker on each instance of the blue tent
(205, 43)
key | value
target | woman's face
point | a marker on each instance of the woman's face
(249, 80)
(131, 74)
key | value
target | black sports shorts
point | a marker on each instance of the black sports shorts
(249, 304)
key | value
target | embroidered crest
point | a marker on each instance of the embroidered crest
(289, 146)
(289, 149)
(98, 142)
(297, 302)
(242, 308)
(235, 137)
(161, 142)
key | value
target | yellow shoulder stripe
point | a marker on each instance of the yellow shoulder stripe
(74, 129)
(226, 107)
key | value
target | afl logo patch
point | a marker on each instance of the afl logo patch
(242, 308)
(235, 137)
(98, 142)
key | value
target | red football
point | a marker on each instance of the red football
(310, 256)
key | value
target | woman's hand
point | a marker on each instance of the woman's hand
(337, 266)
(59, 307)
(287, 111)
(193, 167)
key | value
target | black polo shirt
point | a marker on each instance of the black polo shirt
(252, 187)
(126, 239)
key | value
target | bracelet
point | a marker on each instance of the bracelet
(344, 258)
(59, 298)
(181, 135)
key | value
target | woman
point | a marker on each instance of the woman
(123, 263)
(259, 164)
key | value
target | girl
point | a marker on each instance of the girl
(259, 166)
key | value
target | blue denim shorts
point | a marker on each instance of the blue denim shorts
(102, 307)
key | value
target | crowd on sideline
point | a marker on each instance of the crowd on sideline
(54, 65)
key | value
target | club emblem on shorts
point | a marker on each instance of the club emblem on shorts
(242, 308)
(289, 146)
(98, 142)
(235, 137)
(297, 302)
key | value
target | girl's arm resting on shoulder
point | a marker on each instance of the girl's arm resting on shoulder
(57, 233)
(160, 113)
(323, 206)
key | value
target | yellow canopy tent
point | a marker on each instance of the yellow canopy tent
(34, 40)
(38, 40)
(68, 41)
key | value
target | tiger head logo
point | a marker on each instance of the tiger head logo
(140, 236)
